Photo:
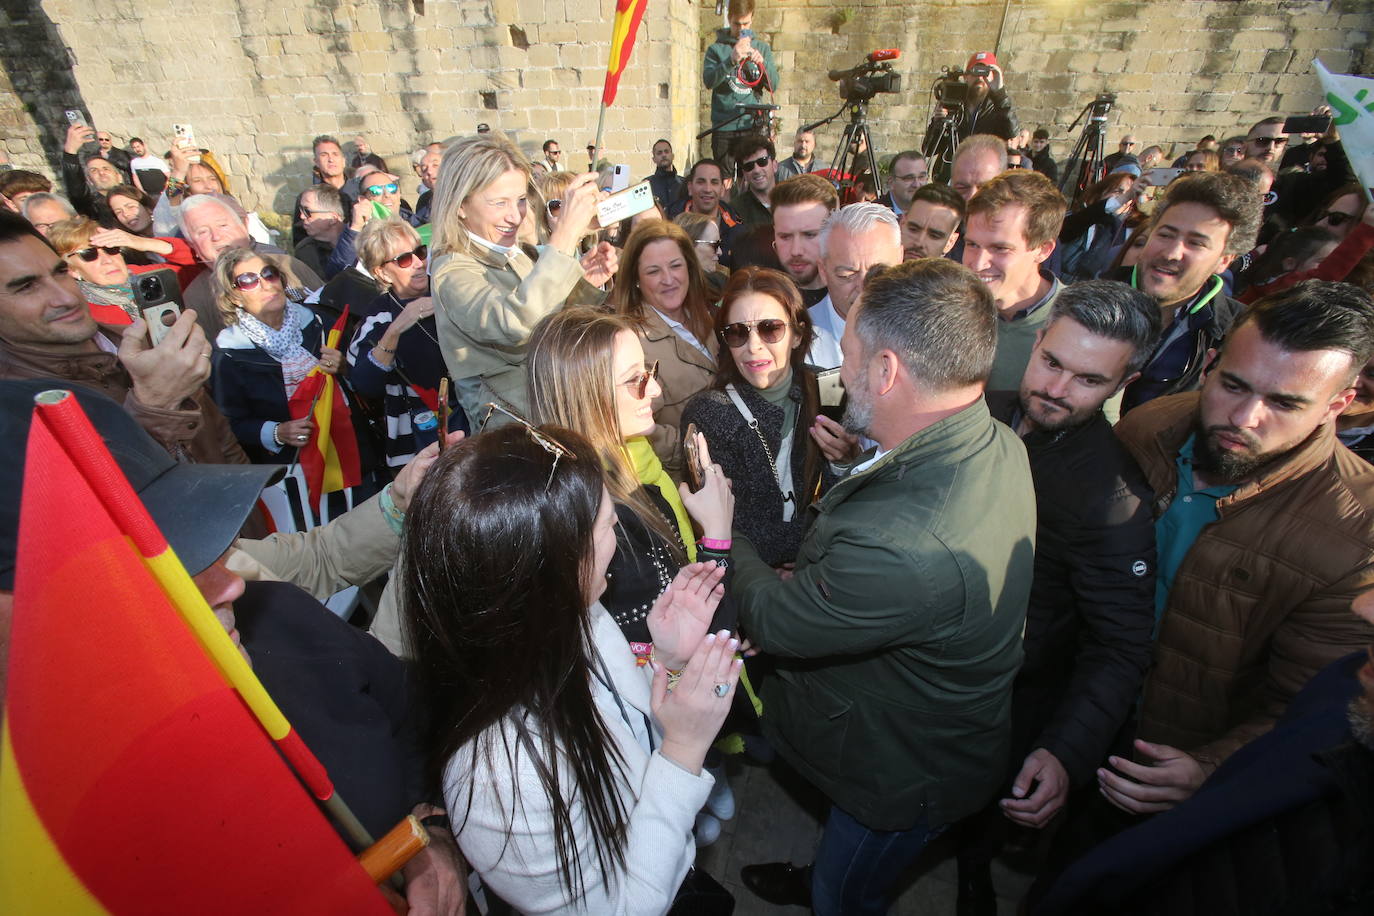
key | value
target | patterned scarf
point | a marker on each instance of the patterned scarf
(120, 294)
(283, 345)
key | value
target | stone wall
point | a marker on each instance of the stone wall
(1180, 68)
(258, 78)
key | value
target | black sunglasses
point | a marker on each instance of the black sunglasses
(714, 245)
(640, 383)
(245, 282)
(736, 334)
(751, 164)
(93, 252)
(408, 259)
(1269, 141)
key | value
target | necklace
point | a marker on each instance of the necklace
(400, 306)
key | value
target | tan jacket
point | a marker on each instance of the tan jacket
(486, 306)
(683, 371)
(1262, 600)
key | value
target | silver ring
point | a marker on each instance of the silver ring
(301, 438)
(722, 689)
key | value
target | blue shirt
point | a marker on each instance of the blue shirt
(1177, 529)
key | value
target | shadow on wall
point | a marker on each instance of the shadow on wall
(39, 66)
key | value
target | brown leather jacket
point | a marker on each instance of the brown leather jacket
(197, 431)
(1262, 600)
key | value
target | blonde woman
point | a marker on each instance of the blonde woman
(662, 291)
(488, 290)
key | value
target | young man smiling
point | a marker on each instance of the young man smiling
(758, 164)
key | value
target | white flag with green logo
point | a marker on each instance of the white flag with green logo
(1352, 108)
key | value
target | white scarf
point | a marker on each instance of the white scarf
(283, 345)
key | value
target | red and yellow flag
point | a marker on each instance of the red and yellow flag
(628, 13)
(134, 779)
(330, 459)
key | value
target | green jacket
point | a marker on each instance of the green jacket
(727, 92)
(899, 636)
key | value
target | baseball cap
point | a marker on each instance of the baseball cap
(1130, 168)
(199, 507)
(986, 58)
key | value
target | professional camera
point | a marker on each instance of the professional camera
(1101, 105)
(872, 76)
(950, 89)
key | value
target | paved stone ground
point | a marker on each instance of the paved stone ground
(776, 820)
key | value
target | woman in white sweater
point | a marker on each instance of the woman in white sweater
(572, 776)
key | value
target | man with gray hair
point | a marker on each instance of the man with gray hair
(212, 223)
(852, 239)
(897, 638)
(46, 210)
(1091, 613)
(322, 214)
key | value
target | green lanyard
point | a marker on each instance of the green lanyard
(1196, 306)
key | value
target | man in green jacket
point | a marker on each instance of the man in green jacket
(898, 637)
(737, 71)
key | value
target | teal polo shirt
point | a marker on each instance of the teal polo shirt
(1177, 529)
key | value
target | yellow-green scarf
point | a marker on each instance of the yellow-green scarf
(650, 472)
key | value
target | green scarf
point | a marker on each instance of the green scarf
(650, 472)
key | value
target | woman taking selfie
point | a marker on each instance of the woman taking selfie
(489, 291)
(756, 415)
(663, 291)
(572, 774)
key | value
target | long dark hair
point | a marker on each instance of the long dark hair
(497, 548)
(779, 287)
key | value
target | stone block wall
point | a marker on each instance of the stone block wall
(1180, 68)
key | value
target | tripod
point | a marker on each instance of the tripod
(1085, 164)
(854, 135)
(942, 137)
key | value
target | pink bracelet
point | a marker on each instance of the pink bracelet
(713, 544)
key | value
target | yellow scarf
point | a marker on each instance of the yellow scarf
(650, 472)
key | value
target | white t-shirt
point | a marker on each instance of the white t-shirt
(148, 163)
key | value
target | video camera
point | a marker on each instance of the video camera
(1100, 106)
(950, 89)
(872, 76)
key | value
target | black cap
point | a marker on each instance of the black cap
(199, 507)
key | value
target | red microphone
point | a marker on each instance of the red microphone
(886, 54)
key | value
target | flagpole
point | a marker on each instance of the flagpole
(600, 129)
(72, 429)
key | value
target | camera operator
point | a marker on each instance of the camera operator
(737, 70)
(988, 110)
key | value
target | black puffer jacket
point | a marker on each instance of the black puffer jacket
(1091, 612)
(737, 449)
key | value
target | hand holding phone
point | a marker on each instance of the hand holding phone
(696, 470)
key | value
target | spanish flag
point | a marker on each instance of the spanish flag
(627, 16)
(134, 779)
(330, 458)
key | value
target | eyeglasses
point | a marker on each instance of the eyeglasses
(713, 245)
(639, 385)
(307, 213)
(377, 190)
(1335, 218)
(736, 335)
(750, 164)
(547, 443)
(245, 282)
(553, 207)
(1269, 141)
(408, 259)
(93, 252)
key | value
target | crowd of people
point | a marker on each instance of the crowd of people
(994, 520)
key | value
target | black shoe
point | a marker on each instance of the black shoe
(977, 897)
(780, 883)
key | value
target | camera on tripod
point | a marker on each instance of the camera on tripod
(1100, 106)
(951, 90)
(872, 76)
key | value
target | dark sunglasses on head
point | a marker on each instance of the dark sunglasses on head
(549, 444)
(377, 190)
(751, 164)
(93, 252)
(245, 282)
(407, 259)
(640, 383)
(1334, 218)
(1269, 141)
(736, 334)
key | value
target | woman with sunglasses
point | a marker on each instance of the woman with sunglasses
(757, 413)
(572, 774)
(96, 258)
(663, 291)
(1345, 226)
(489, 291)
(268, 346)
(395, 354)
(705, 234)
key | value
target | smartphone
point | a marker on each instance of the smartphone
(445, 411)
(831, 394)
(624, 204)
(158, 298)
(186, 139)
(1307, 124)
(696, 470)
(620, 178)
(1161, 177)
(75, 116)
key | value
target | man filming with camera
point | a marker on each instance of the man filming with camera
(988, 110)
(737, 70)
